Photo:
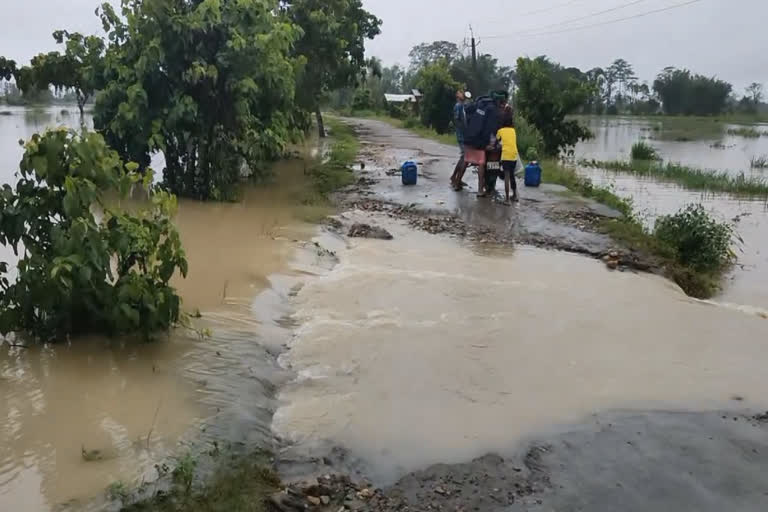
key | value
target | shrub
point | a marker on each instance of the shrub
(439, 91)
(86, 266)
(700, 242)
(528, 137)
(644, 151)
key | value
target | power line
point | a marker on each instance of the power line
(536, 11)
(599, 24)
(592, 15)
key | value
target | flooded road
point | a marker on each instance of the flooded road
(458, 353)
(76, 418)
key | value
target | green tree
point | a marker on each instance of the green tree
(80, 68)
(484, 76)
(7, 68)
(85, 265)
(682, 92)
(425, 54)
(209, 83)
(332, 42)
(755, 92)
(438, 90)
(546, 94)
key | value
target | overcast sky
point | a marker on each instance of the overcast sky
(726, 38)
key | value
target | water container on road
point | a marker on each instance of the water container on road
(410, 173)
(532, 175)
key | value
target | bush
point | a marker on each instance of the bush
(439, 92)
(644, 151)
(85, 266)
(700, 242)
(528, 137)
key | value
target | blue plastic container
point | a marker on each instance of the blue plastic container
(532, 175)
(410, 173)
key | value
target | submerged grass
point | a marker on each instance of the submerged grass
(746, 131)
(759, 162)
(644, 151)
(331, 171)
(630, 232)
(688, 177)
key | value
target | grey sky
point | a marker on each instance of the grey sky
(726, 38)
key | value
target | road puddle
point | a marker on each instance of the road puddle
(78, 417)
(422, 350)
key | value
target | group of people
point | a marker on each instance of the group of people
(482, 128)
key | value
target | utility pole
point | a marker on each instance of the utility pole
(474, 50)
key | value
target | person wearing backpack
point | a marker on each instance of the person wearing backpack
(482, 124)
(460, 124)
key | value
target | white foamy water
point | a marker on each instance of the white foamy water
(420, 350)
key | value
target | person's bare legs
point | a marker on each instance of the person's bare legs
(507, 185)
(481, 180)
(458, 173)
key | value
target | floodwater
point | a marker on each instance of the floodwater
(457, 353)
(748, 283)
(707, 146)
(77, 417)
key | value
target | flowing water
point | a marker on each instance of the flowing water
(458, 352)
(75, 418)
(748, 283)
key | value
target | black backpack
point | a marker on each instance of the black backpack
(482, 121)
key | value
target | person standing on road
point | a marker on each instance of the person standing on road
(460, 123)
(507, 136)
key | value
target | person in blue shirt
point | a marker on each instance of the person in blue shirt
(460, 123)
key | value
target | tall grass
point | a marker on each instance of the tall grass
(746, 131)
(643, 151)
(759, 162)
(688, 177)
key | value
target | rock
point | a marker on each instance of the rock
(314, 500)
(365, 494)
(359, 230)
(607, 258)
(612, 264)
(613, 254)
(325, 500)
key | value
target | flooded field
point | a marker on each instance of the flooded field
(748, 283)
(454, 357)
(80, 416)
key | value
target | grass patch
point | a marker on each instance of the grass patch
(746, 131)
(243, 486)
(643, 151)
(671, 248)
(688, 177)
(330, 172)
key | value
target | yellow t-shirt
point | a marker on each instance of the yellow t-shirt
(508, 138)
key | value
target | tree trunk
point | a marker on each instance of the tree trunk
(320, 125)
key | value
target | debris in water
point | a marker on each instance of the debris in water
(359, 230)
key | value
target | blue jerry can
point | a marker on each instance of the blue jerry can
(532, 175)
(410, 173)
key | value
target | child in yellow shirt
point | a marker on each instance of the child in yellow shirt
(508, 138)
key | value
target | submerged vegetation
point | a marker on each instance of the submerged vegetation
(644, 151)
(746, 131)
(86, 265)
(688, 177)
(759, 162)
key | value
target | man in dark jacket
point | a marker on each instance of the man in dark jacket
(460, 123)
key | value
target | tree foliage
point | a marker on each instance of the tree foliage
(209, 83)
(546, 94)
(682, 92)
(332, 43)
(79, 68)
(7, 68)
(439, 90)
(483, 77)
(85, 265)
(424, 54)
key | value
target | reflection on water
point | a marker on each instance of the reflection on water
(614, 138)
(409, 357)
(94, 394)
(747, 283)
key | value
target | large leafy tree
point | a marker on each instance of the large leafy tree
(438, 89)
(332, 43)
(7, 68)
(428, 53)
(86, 265)
(80, 68)
(546, 95)
(682, 92)
(484, 76)
(209, 83)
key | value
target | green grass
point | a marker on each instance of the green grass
(331, 172)
(759, 162)
(630, 232)
(643, 151)
(689, 177)
(748, 132)
(242, 486)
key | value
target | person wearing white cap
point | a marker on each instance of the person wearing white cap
(460, 123)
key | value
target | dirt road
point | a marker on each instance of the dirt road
(672, 385)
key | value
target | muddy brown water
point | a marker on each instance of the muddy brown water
(78, 417)
(458, 353)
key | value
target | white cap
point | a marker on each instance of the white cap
(468, 95)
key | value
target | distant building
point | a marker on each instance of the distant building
(404, 99)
